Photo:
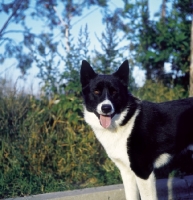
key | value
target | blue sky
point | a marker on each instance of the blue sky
(92, 18)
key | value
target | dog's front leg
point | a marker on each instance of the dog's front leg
(130, 185)
(147, 188)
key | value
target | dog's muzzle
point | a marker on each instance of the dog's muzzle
(106, 108)
(105, 118)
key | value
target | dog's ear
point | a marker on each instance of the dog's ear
(123, 72)
(86, 73)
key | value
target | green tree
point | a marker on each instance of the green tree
(165, 39)
(112, 52)
(72, 62)
(26, 13)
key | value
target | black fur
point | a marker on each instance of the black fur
(160, 128)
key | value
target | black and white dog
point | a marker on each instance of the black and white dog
(138, 136)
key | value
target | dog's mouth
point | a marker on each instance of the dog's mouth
(105, 120)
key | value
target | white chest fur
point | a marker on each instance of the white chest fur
(113, 139)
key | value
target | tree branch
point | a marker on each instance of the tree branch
(16, 7)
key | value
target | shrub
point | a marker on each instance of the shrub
(47, 147)
(158, 92)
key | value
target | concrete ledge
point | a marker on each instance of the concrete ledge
(167, 189)
(175, 188)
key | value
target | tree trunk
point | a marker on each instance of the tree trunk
(163, 10)
(191, 62)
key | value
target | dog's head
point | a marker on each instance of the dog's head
(105, 95)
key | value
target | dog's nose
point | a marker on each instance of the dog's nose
(106, 108)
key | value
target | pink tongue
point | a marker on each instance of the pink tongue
(105, 121)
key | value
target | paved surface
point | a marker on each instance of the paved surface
(167, 189)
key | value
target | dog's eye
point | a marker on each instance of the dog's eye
(114, 92)
(97, 92)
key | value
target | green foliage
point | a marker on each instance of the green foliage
(112, 54)
(47, 147)
(164, 39)
(158, 92)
